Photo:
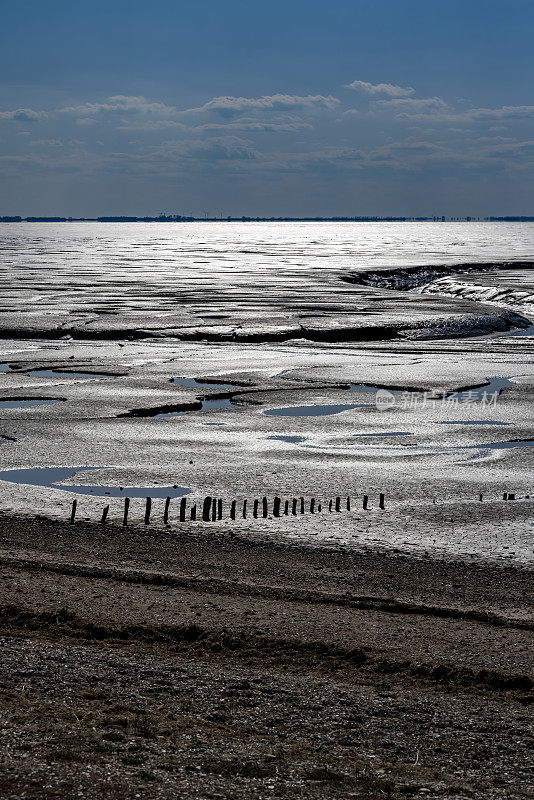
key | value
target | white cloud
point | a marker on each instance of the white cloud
(121, 104)
(23, 115)
(45, 143)
(389, 89)
(505, 112)
(228, 105)
(278, 124)
(207, 136)
(474, 114)
(277, 112)
(411, 104)
(132, 106)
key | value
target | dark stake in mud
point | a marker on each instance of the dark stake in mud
(183, 502)
(104, 515)
(206, 509)
(126, 509)
(166, 511)
(147, 510)
(73, 511)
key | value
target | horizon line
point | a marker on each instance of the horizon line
(244, 218)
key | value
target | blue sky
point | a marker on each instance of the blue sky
(279, 108)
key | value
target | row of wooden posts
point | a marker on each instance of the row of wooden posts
(211, 509)
(506, 496)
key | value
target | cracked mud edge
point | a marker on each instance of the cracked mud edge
(165, 409)
(197, 405)
(446, 326)
(294, 654)
(413, 277)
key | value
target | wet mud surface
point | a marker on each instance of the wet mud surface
(285, 423)
(378, 651)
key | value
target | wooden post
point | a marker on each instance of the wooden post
(365, 501)
(104, 515)
(126, 509)
(73, 511)
(206, 509)
(147, 510)
(330, 505)
(348, 503)
(505, 496)
(232, 509)
(183, 502)
(219, 508)
(382, 502)
(480, 497)
(255, 509)
(194, 511)
(338, 503)
(294, 507)
(276, 507)
(302, 505)
(511, 497)
(264, 507)
(286, 508)
(214, 510)
(244, 509)
(319, 508)
(166, 511)
(312, 505)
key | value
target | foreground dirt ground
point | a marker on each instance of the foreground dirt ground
(158, 664)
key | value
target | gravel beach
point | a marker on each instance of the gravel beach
(163, 663)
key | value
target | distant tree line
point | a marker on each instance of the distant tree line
(180, 218)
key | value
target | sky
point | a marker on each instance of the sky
(280, 108)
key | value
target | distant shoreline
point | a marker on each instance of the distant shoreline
(179, 218)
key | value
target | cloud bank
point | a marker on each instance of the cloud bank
(283, 139)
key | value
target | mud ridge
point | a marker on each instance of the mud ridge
(285, 653)
(211, 585)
